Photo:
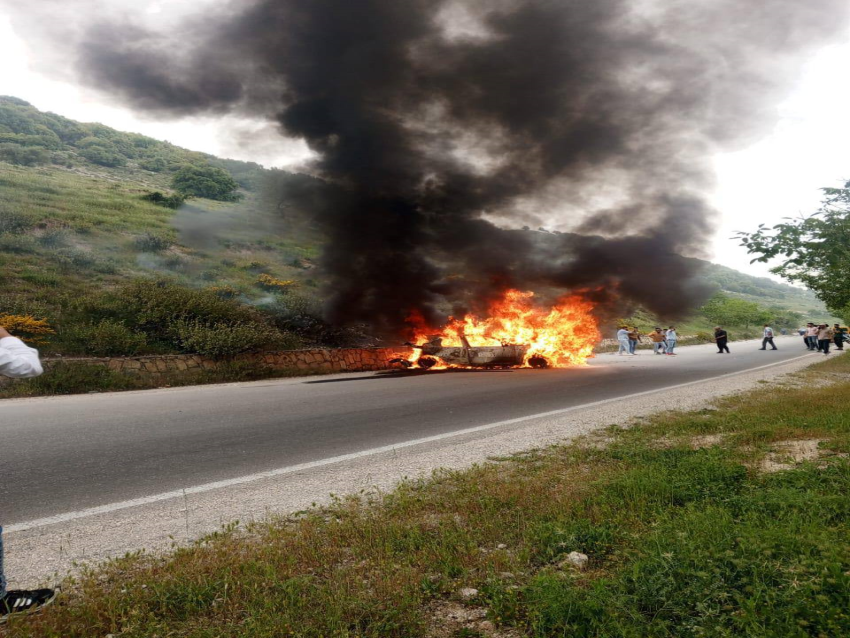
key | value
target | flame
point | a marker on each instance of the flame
(564, 334)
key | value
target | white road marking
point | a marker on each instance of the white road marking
(259, 476)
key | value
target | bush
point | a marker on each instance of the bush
(69, 259)
(222, 340)
(17, 244)
(53, 238)
(205, 181)
(106, 338)
(102, 156)
(151, 243)
(24, 155)
(36, 331)
(168, 201)
(14, 223)
(267, 282)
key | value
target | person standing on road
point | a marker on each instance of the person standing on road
(840, 336)
(19, 361)
(634, 339)
(722, 339)
(767, 338)
(659, 344)
(825, 336)
(623, 339)
(812, 336)
(672, 338)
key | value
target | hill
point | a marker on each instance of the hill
(79, 216)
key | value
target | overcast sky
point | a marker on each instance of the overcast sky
(779, 176)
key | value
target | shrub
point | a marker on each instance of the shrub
(151, 243)
(222, 340)
(102, 156)
(14, 222)
(53, 238)
(18, 244)
(205, 181)
(106, 338)
(36, 331)
(24, 155)
(168, 201)
(267, 282)
(69, 259)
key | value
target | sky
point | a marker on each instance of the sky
(778, 176)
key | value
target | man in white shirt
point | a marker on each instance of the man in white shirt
(767, 338)
(19, 361)
(623, 340)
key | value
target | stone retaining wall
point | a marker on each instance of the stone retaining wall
(323, 360)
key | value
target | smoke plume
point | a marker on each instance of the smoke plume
(444, 126)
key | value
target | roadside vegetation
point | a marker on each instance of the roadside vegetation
(729, 521)
(86, 378)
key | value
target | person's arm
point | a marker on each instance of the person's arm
(17, 360)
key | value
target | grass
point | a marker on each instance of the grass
(83, 378)
(685, 534)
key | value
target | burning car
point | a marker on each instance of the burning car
(506, 355)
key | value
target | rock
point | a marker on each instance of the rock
(575, 559)
(467, 593)
(501, 546)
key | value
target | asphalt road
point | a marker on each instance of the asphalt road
(69, 453)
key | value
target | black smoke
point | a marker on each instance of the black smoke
(432, 118)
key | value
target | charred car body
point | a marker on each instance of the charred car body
(505, 356)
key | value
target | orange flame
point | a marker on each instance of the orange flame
(564, 334)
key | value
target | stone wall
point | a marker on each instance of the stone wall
(321, 360)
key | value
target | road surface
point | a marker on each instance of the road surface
(67, 454)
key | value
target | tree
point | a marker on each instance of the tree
(814, 250)
(205, 181)
(729, 311)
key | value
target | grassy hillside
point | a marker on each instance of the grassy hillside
(75, 224)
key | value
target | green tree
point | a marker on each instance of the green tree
(729, 311)
(205, 181)
(813, 250)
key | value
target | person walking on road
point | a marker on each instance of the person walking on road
(672, 338)
(659, 343)
(768, 338)
(623, 339)
(722, 338)
(825, 336)
(19, 361)
(840, 336)
(812, 336)
(634, 339)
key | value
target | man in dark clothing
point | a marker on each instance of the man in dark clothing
(722, 338)
(840, 335)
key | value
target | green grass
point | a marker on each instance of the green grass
(82, 378)
(685, 534)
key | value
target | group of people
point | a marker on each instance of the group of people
(819, 337)
(663, 341)
(17, 360)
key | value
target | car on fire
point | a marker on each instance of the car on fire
(507, 355)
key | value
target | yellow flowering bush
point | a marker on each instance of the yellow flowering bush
(27, 327)
(271, 283)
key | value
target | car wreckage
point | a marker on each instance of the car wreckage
(507, 355)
